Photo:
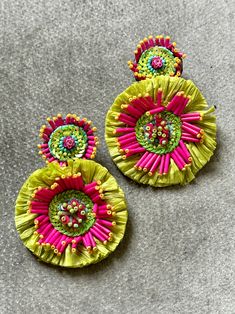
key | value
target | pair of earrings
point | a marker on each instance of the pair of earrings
(159, 131)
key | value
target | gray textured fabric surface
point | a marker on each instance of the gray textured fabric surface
(70, 56)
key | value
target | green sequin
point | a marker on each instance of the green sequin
(56, 142)
(64, 197)
(165, 54)
(174, 126)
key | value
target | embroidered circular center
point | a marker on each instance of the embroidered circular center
(68, 141)
(157, 61)
(159, 133)
(70, 213)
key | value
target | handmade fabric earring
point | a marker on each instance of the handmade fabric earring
(160, 131)
(71, 213)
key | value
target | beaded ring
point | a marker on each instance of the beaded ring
(160, 131)
(68, 138)
(71, 213)
(156, 56)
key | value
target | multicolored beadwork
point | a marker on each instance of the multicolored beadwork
(71, 212)
(68, 138)
(156, 56)
(72, 209)
(159, 127)
(72, 215)
(158, 133)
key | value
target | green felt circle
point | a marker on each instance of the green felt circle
(55, 209)
(165, 54)
(174, 125)
(56, 142)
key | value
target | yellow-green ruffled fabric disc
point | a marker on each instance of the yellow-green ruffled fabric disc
(161, 131)
(71, 216)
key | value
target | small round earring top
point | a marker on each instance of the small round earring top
(156, 56)
(67, 138)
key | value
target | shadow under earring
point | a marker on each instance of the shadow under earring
(71, 213)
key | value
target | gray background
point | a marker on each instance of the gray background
(71, 56)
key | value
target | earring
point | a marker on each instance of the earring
(72, 212)
(160, 131)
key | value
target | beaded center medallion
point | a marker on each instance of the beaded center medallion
(157, 61)
(68, 141)
(70, 212)
(159, 133)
